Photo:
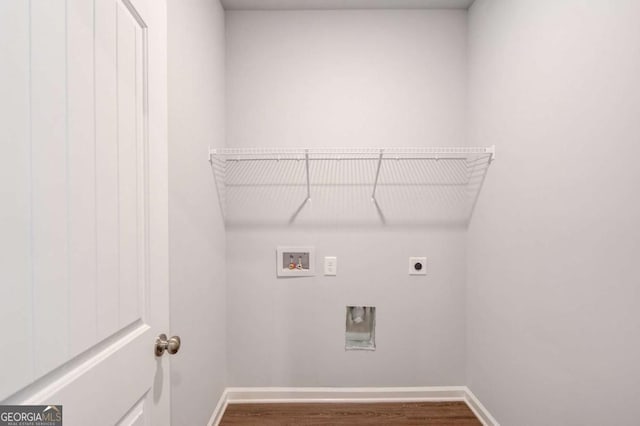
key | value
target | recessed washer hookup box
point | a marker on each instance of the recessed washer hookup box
(296, 261)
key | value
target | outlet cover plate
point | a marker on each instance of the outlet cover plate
(330, 265)
(417, 266)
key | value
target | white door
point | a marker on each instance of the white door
(83, 208)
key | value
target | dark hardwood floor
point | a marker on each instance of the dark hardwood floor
(324, 414)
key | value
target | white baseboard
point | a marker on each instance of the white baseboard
(385, 394)
(478, 409)
(216, 416)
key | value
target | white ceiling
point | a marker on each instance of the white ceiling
(343, 4)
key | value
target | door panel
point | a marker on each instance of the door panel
(131, 275)
(135, 416)
(107, 211)
(49, 189)
(15, 216)
(84, 208)
(82, 160)
(114, 384)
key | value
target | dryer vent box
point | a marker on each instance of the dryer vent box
(360, 331)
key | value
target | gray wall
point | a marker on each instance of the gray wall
(197, 235)
(347, 78)
(553, 294)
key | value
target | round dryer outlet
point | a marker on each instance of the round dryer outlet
(417, 266)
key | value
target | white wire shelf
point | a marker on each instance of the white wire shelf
(418, 185)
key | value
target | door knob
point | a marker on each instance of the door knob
(171, 345)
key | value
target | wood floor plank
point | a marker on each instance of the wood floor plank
(325, 414)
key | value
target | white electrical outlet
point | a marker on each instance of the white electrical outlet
(330, 265)
(417, 266)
